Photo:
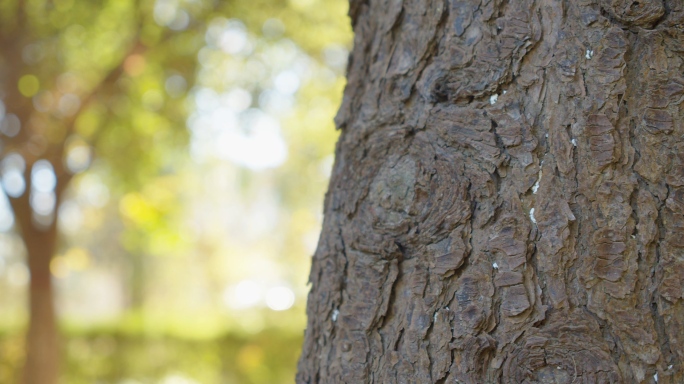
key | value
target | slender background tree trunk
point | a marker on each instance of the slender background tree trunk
(41, 365)
(42, 347)
(507, 201)
(42, 351)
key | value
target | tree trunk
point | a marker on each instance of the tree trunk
(507, 201)
(41, 365)
(42, 350)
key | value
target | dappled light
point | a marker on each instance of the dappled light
(280, 298)
(163, 165)
(13, 167)
(43, 198)
(10, 125)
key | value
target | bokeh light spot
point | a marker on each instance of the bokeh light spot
(43, 177)
(13, 161)
(238, 99)
(13, 167)
(280, 298)
(68, 104)
(176, 85)
(13, 183)
(245, 294)
(165, 11)
(78, 156)
(287, 82)
(32, 53)
(58, 267)
(335, 56)
(134, 65)
(70, 217)
(273, 28)
(29, 85)
(233, 38)
(18, 274)
(43, 101)
(10, 125)
(43, 203)
(94, 191)
(77, 259)
(180, 22)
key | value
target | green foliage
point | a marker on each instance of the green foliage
(112, 357)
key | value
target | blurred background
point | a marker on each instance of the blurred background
(163, 165)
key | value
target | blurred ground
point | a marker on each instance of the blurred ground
(107, 356)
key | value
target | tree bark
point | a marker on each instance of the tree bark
(42, 348)
(507, 200)
(41, 365)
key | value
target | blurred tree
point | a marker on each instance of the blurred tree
(107, 79)
(71, 74)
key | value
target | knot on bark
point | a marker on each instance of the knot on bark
(567, 350)
(417, 197)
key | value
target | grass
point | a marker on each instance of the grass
(136, 352)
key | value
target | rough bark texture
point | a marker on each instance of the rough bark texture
(507, 202)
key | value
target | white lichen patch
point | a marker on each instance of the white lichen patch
(535, 187)
(493, 98)
(589, 54)
(532, 216)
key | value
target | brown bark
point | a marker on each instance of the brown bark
(42, 348)
(507, 201)
(41, 365)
